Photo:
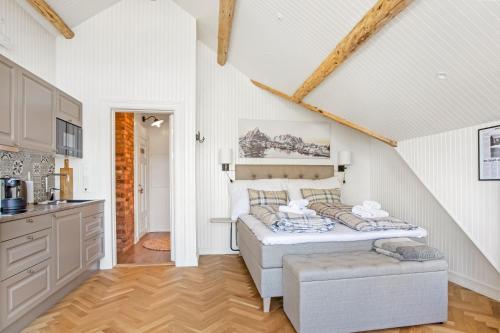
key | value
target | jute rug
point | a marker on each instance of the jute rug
(159, 244)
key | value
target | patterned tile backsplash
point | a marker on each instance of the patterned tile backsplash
(19, 164)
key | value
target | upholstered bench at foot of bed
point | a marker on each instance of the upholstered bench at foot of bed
(358, 291)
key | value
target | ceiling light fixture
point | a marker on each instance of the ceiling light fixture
(156, 122)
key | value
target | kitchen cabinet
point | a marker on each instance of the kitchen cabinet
(36, 112)
(23, 291)
(28, 110)
(68, 240)
(7, 103)
(40, 255)
(69, 109)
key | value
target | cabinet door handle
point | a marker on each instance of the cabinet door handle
(31, 271)
(29, 237)
(30, 221)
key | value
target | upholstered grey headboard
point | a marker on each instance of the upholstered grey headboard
(258, 171)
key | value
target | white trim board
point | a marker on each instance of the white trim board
(479, 287)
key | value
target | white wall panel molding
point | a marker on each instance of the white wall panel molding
(447, 165)
(401, 192)
(142, 53)
(29, 44)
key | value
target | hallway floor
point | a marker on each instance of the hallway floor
(138, 254)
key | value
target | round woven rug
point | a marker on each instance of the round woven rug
(160, 244)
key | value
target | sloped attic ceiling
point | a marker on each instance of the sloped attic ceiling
(73, 12)
(433, 68)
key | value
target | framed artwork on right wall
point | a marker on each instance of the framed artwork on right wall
(489, 153)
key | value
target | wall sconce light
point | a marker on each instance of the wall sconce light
(225, 158)
(343, 161)
(199, 138)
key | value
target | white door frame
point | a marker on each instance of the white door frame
(142, 108)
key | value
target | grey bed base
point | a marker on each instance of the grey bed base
(265, 262)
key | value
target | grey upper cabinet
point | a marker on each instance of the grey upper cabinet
(69, 109)
(7, 103)
(36, 111)
(68, 262)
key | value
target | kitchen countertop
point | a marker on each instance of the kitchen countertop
(35, 210)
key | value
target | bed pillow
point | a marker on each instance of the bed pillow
(267, 198)
(238, 193)
(331, 195)
(294, 185)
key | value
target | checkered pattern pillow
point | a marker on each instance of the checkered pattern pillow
(267, 198)
(321, 195)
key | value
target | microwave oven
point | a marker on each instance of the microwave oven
(69, 140)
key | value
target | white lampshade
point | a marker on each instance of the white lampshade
(344, 157)
(225, 156)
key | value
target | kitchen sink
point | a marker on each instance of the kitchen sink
(59, 202)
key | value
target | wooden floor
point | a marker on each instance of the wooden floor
(138, 254)
(217, 296)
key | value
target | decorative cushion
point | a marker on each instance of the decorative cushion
(321, 195)
(267, 198)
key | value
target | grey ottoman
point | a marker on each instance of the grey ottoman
(358, 291)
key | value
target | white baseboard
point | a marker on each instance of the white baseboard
(477, 286)
(204, 252)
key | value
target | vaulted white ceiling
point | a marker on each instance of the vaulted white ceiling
(73, 12)
(392, 84)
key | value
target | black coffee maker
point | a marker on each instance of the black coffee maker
(12, 193)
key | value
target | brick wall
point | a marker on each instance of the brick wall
(124, 168)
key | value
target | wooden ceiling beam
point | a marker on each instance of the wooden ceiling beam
(376, 18)
(328, 115)
(43, 8)
(226, 11)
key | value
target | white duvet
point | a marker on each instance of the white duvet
(340, 233)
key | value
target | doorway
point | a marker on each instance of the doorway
(142, 187)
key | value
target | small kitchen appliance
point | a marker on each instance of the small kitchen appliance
(13, 194)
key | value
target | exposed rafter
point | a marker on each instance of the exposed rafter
(328, 115)
(226, 11)
(376, 18)
(43, 8)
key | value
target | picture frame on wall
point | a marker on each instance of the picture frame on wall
(489, 153)
(278, 140)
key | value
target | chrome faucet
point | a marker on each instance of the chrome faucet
(48, 190)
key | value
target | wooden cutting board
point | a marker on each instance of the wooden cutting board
(66, 182)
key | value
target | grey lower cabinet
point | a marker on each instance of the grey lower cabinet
(68, 240)
(36, 111)
(41, 255)
(7, 103)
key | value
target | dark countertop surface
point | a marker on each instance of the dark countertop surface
(35, 210)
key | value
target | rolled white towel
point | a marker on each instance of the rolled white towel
(361, 211)
(300, 204)
(370, 204)
(291, 210)
(366, 213)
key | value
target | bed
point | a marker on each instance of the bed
(263, 250)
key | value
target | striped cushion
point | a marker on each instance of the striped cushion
(267, 198)
(321, 195)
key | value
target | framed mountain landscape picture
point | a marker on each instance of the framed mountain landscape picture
(279, 139)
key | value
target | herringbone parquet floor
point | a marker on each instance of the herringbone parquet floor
(217, 296)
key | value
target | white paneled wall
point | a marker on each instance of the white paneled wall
(139, 53)
(225, 95)
(401, 192)
(31, 46)
(447, 164)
